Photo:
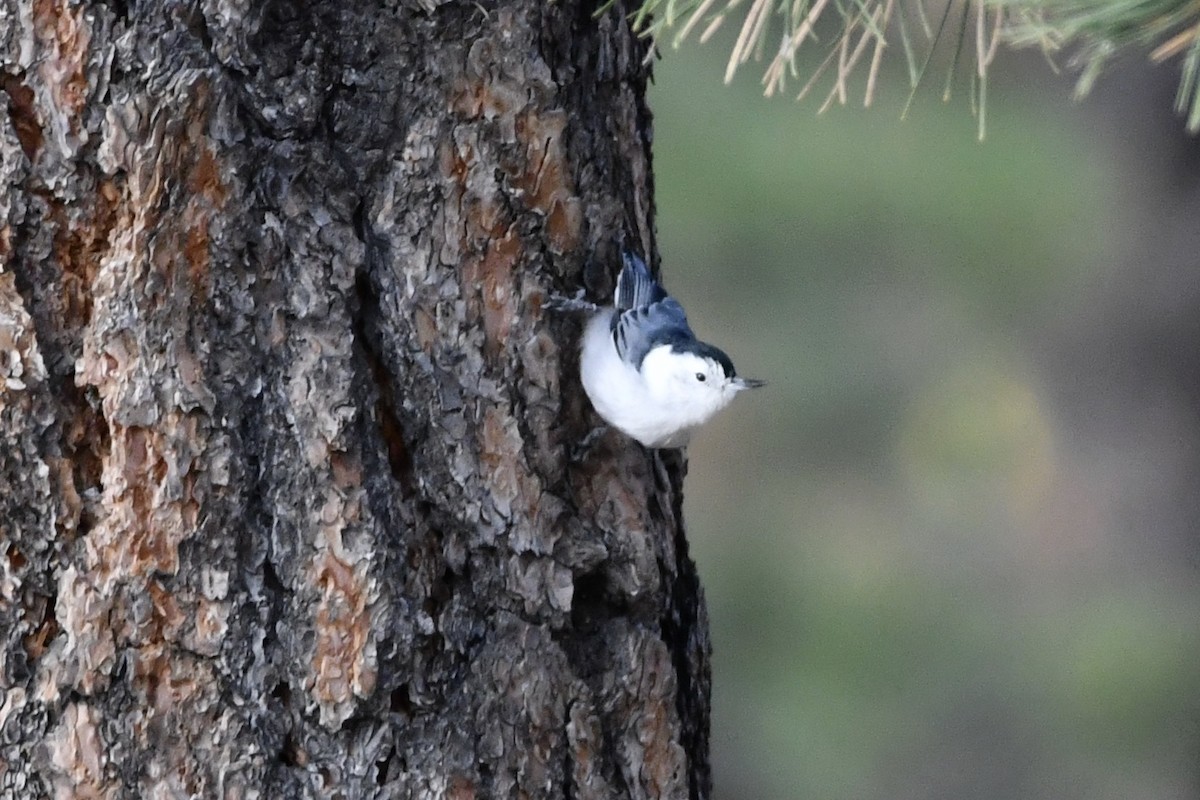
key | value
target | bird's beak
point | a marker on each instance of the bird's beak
(748, 383)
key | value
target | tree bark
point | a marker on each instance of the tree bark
(288, 506)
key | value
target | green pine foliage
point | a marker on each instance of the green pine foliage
(1094, 31)
(854, 36)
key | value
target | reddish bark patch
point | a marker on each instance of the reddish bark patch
(143, 529)
(545, 177)
(82, 238)
(540, 172)
(498, 269)
(23, 115)
(175, 193)
(167, 618)
(341, 666)
(456, 161)
(500, 455)
(79, 248)
(157, 675)
(195, 251)
(206, 194)
(494, 274)
(564, 223)
(85, 441)
(210, 627)
(16, 559)
(460, 788)
(65, 69)
(347, 472)
(545, 170)
(426, 327)
(78, 755)
(205, 177)
(487, 100)
(42, 624)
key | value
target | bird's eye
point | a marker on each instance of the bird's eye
(700, 376)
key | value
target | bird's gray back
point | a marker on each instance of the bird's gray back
(638, 331)
(646, 315)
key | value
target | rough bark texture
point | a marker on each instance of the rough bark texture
(286, 501)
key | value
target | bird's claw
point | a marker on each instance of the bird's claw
(559, 302)
(580, 450)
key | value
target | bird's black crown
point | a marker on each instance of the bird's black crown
(705, 350)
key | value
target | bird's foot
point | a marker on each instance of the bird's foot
(581, 449)
(559, 302)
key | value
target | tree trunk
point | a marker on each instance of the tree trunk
(288, 506)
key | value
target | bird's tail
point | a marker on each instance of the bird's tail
(636, 287)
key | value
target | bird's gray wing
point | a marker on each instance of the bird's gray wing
(637, 331)
(636, 287)
(646, 315)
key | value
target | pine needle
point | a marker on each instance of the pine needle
(958, 47)
(1096, 30)
(712, 28)
(693, 19)
(1091, 32)
(1173, 46)
(755, 19)
(817, 73)
(877, 56)
(1188, 98)
(929, 57)
(910, 57)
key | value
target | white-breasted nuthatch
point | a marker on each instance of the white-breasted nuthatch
(644, 370)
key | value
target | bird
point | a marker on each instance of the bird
(643, 369)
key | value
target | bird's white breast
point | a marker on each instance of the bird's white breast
(645, 411)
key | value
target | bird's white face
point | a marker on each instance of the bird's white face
(695, 386)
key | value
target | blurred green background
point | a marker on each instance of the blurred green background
(951, 550)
